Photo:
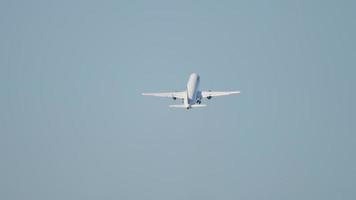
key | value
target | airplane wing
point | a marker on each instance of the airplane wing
(178, 95)
(209, 94)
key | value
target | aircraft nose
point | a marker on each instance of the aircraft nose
(194, 75)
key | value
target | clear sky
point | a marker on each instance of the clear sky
(73, 124)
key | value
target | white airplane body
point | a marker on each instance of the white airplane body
(192, 96)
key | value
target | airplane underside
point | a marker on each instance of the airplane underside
(192, 96)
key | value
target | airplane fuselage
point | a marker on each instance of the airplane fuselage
(192, 90)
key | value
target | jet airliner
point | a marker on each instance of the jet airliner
(192, 96)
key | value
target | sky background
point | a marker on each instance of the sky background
(73, 124)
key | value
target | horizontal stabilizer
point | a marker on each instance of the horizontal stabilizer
(198, 105)
(184, 106)
(177, 106)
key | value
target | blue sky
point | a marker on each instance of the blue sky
(73, 124)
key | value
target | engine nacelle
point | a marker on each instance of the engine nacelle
(209, 97)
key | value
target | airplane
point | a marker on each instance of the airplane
(192, 96)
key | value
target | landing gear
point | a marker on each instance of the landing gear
(199, 100)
